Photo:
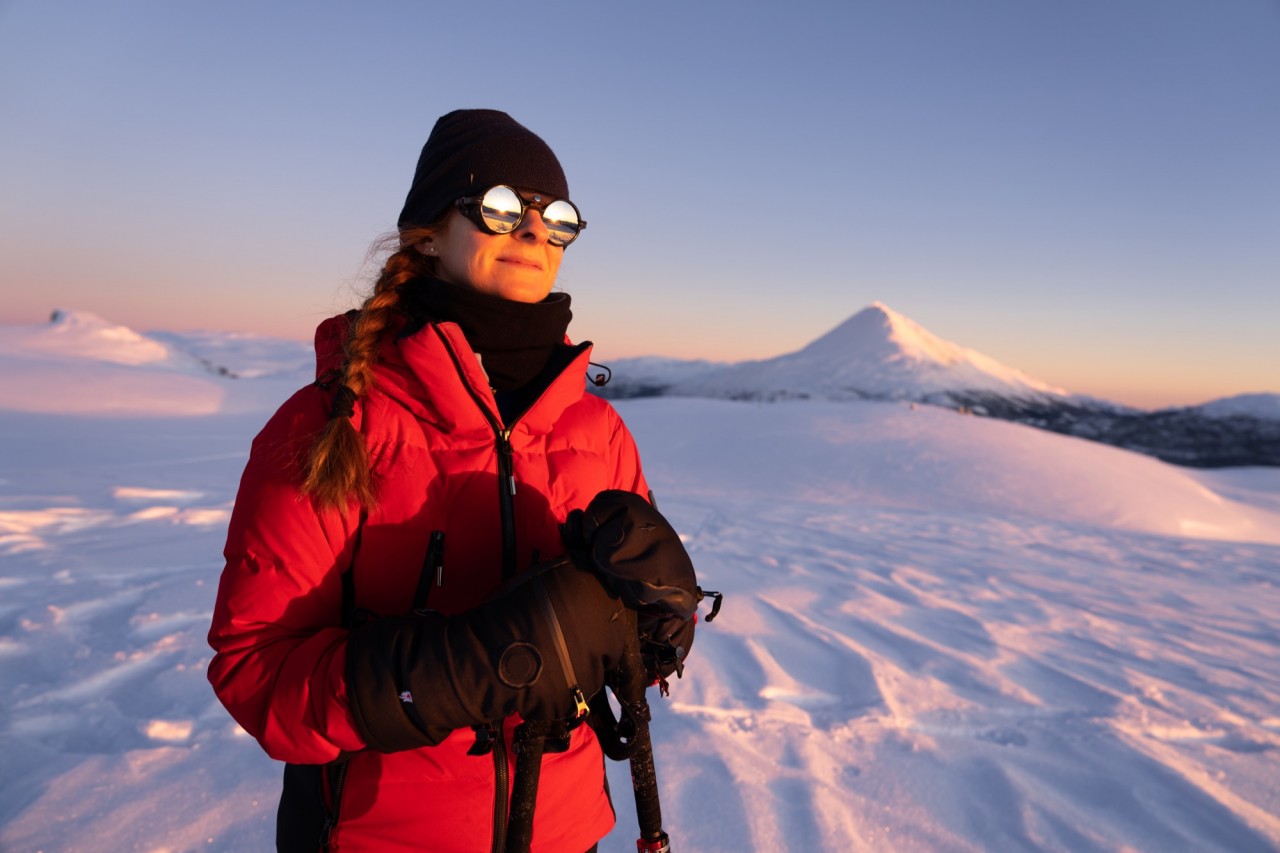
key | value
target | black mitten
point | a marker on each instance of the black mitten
(627, 541)
(540, 649)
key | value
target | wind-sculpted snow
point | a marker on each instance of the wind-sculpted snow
(940, 633)
(891, 682)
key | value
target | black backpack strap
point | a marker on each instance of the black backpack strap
(304, 820)
(351, 616)
(301, 817)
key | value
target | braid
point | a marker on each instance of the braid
(338, 467)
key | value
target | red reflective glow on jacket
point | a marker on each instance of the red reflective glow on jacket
(429, 426)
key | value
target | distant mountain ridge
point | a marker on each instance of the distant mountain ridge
(879, 354)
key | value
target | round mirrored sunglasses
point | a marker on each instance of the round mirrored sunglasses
(501, 210)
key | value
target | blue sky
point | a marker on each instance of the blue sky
(1087, 191)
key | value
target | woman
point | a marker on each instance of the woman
(362, 631)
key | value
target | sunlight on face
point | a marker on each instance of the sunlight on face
(520, 266)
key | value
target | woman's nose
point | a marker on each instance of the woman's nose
(532, 227)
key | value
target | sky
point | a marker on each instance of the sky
(1088, 192)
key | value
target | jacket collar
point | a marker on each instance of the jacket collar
(435, 374)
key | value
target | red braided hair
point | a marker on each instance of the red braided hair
(337, 470)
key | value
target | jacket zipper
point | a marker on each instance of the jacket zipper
(337, 781)
(562, 651)
(507, 493)
(501, 782)
(506, 465)
(506, 505)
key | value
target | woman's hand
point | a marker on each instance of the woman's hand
(637, 552)
(540, 649)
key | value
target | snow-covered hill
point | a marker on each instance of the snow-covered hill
(878, 354)
(941, 633)
(82, 336)
(79, 363)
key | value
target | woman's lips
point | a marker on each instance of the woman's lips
(521, 262)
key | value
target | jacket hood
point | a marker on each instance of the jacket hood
(331, 335)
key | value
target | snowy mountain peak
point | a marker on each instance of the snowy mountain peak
(877, 353)
(81, 334)
(878, 331)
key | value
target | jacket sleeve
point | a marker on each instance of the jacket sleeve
(627, 472)
(279, 651)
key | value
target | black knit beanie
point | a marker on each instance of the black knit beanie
(469, 151)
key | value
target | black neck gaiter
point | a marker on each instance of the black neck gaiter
(514, 340)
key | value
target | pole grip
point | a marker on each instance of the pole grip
(644, 779)
(644, 782)
(530, 741)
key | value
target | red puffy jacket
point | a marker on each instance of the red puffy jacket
(436, 444)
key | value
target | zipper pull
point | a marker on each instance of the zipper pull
(437, 551)
(504, 447)
(581, 702)
(432, 570)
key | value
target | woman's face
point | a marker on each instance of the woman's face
(520, 266)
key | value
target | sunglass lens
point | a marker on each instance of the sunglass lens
(561, 219)
(501, 209)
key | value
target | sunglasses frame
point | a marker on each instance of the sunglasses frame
(470, 207)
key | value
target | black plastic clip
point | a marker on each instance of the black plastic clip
(600, 379)
(715, 605)
(485, 737)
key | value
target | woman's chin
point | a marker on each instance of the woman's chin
(519, 287)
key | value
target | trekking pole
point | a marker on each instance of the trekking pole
(644, 781)
(644, 778)
(530, 744)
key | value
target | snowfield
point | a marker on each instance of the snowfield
(940, 632)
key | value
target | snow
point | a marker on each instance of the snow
(877, 353)
(651, 371)
(1252, 405)
(940, 632)
(84, 336)
(81, 364)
